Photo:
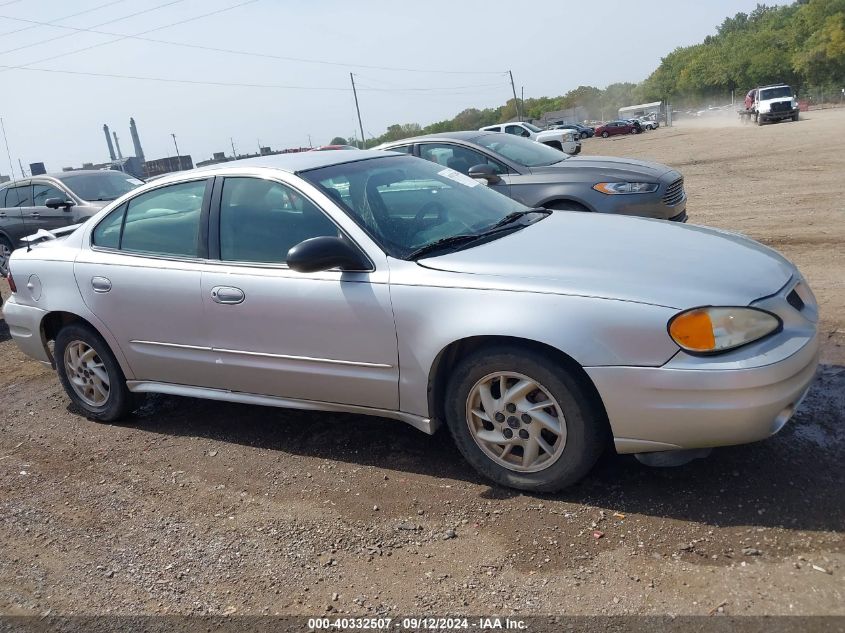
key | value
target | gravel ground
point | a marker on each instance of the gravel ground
(208, 508)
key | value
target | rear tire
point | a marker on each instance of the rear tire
(551, 447)
(5, 253)
(760, 120)
(583, 135)
(91, 375)
(604, 134)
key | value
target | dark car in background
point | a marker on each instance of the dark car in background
(52, 201)
(612, 128)
(584, 130)
(540, 176)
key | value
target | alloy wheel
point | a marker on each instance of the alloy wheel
(87, 373)
(516, 422)
(5, 253)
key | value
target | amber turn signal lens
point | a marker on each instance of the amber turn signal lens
(693, 331)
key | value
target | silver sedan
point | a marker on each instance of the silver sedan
(387, 285)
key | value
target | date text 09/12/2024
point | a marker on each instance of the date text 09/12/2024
(491, 623)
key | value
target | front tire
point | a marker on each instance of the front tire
(604, 134)
(91, 375)
(520, 419)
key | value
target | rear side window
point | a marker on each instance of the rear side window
(404, 149)
(19, 196)
(107, 233)
(164, 221)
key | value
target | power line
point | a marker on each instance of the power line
(196, 82)
(59, 37)
(34, 25)
(216, 49)
(158, 28)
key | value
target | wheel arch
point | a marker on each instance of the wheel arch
(447, 358)
(55, 320)
(551, 200)
(553, 143)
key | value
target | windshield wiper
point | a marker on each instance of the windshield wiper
(510, 218)
(452, 240)
(464, 238)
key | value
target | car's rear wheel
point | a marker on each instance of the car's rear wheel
(604, 134)
(520, 419)
(91, 375)
(5, 253)
(583, 135)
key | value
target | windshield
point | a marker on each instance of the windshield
(406, 203)
(533, 128)
(775, 93)
(101, 186)
(521, 150)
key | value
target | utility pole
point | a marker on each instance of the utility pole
(515, 100)
(310, 144)
(234, 153)
(8, 151)
(522, 98)
(358, 110)
(178, 160)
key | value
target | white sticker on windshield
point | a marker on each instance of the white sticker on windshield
(457, 176)
(134, 181)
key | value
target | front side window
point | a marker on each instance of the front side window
(521, 151)
(516, 130)
(261, 220)
(402, 149)
(457, 157)
(405, 204)
(163, 221)
(42, 193)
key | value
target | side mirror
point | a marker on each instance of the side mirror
(325, 253)
(485, 172)
(55, 203)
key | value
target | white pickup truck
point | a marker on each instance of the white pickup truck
(567, 140)
(771, 103)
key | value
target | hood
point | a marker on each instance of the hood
(608, 167)
(632, 259)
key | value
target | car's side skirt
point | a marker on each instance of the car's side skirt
(426, 425)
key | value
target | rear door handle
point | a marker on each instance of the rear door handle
(227, 295)
(101, 284)
(2, 214)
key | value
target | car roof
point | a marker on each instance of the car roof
(466, 135)
(295, 162)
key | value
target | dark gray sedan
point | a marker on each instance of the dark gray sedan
(541, 176)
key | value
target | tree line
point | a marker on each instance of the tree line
(802, 44)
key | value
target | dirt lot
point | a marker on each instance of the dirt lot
(200, 507)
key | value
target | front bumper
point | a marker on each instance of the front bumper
(778, 115)
(685, 404)
(25, 327)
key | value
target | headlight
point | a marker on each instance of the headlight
(613, 188)
(710, 330)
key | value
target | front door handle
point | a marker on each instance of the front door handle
(227, 295)
(35, 214)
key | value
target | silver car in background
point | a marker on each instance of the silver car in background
(382, 284)
(539, 176)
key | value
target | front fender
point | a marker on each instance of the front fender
(434, 309)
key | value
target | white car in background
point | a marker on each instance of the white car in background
(567, 140)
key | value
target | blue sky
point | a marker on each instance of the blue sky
(551, 47)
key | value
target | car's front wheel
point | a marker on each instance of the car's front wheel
(522, 420)
(604, 134)
(91, 375)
